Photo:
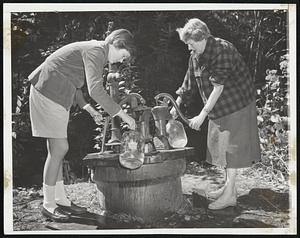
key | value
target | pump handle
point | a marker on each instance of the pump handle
(168, 96)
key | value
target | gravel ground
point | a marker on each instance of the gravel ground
(262, 203)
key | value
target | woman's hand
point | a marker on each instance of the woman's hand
(197, 121)
(127, 119)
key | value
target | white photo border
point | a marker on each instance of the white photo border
(8, 8)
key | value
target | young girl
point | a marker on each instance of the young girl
(55, 85)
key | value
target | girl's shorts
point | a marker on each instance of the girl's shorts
(48, 119)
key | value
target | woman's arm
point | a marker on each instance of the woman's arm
(187, 89)
(213, 97)
(197, 121)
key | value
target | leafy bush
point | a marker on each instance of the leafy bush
(273, 122)
(28, 153)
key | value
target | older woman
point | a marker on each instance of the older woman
(227, 89)
(55, 86)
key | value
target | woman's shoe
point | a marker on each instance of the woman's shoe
(57, 215)
(216, 194)
(73, 209)
(221, 205)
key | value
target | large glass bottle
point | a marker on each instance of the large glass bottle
(176, 134)
(132, 150)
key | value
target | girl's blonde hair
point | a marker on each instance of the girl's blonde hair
(194, 29)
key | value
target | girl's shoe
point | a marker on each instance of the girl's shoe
(57, 215)
(73, 209)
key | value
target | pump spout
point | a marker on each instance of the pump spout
(168, 96)
(136, 102)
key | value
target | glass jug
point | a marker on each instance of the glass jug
(132, 150)
(176, 134)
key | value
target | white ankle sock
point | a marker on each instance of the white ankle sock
(49, 197)
(60, 195)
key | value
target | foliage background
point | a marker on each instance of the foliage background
(160, 65)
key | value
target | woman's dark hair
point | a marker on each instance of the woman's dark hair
(121, 39)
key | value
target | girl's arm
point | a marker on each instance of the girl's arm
(94, 62)
(79, 98)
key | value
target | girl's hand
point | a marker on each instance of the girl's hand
(130, 121)
(127, 119)
(98, 118)
(197, 121)
(94, 114)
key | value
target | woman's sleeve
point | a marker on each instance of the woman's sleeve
(93, 60)
(221, 67)
(189, 86)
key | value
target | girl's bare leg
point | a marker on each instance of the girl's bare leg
(57, 148)
(60, 195)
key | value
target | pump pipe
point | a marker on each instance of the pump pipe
(168, 96)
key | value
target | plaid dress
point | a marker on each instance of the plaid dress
(232, 139)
